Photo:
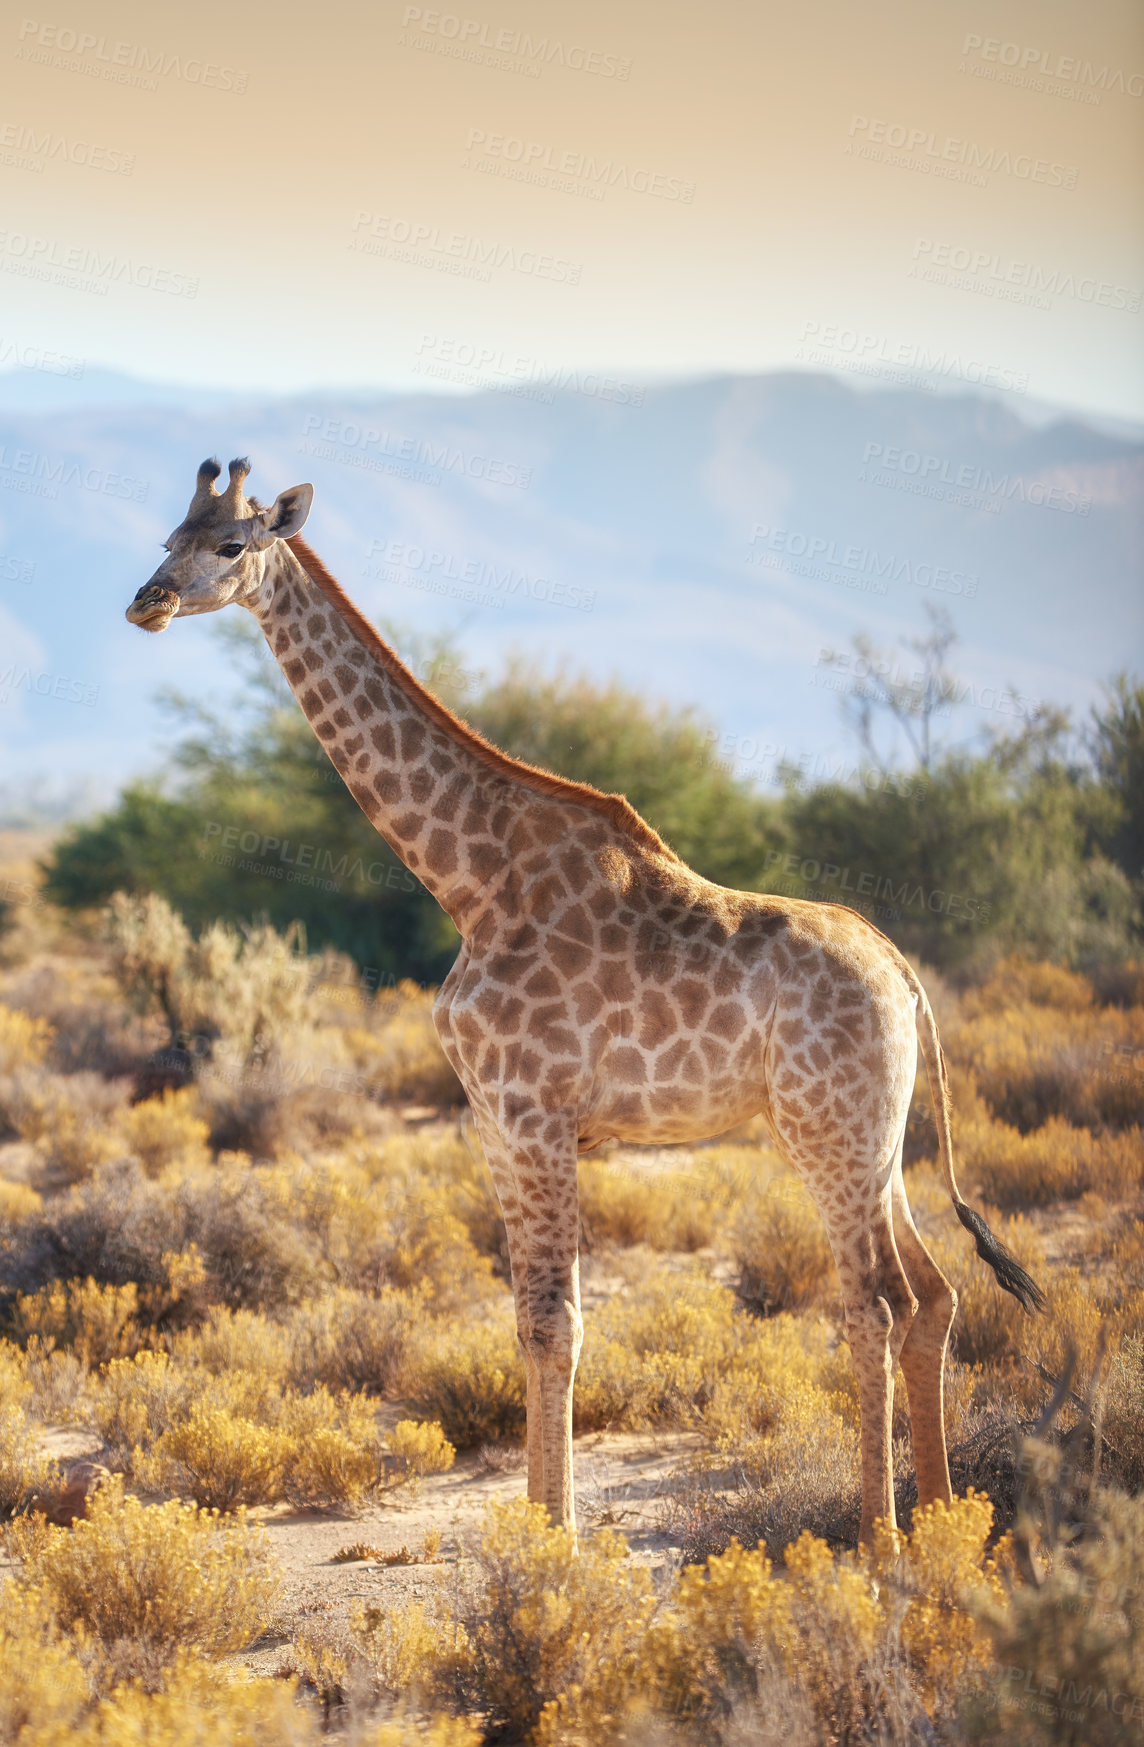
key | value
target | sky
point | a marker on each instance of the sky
(391, 195)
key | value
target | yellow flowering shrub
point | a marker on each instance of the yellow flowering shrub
(400, 1053)
(96, 1322)
(24, 1468)
(136, 1399)
(17, 1201)
(415, 1448)
(165, 1131)
(545, 1634)
(470, 1378)
(165, 1578)
(24, 1041)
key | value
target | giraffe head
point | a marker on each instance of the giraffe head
(216, 554)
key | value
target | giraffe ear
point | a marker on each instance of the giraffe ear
(286, 515)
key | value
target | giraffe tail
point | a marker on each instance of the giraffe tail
(1008, 1271)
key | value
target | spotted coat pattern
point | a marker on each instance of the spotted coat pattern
(603, 989)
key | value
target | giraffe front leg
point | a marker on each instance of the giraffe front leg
(498, 1159)
(542, 1160)
(556, 1334)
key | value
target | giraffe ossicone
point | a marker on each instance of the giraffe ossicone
(604, 990)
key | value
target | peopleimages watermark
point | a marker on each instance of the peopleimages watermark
(15, 678)
(436, 456)
(38, 475)
(992, 275)
(854, 673)
(969, 484)
(903, 362)
(16, 569)
(1039, 69)
(481, 581)
(950, 159)
(306, 864)
(516, 373)
(14, 354)
(454, 252)
(858, 567)
(23, 147)
(809, 870)
(566, 170)
(80, 268)
(500, 46)
(121, 63)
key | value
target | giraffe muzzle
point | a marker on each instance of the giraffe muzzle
(153, 607)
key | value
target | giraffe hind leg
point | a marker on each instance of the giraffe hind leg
(923, 1352)
(880, 1308)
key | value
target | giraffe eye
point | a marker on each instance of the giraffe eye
(231, 549)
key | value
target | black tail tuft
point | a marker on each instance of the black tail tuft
(1010, 1274)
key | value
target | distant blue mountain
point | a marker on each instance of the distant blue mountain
(709, 544)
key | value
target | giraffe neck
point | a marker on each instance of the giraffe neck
(454, 821)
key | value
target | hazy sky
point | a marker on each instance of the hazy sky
(282, 196)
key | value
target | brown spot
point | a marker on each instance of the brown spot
(312, 659)
(543, 983)
(670, 1062)
(693, 999)
(727, 1020)
(387, 787)
(412, 739)
(441, 853)
(346, 677)
(657, 1019)
(421, 784)
(568, 956)
(588, 1000)
(509, 967)
(628, 1064)
(616, 982)
(485, 859)
(408, 826)
(316, 624)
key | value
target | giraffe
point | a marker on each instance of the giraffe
(603, 989)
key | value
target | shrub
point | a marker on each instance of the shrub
(96, 1322)
(667, 1209)
(165, 1131)
(355, 1340)
(1123, 1420)
(220, 1459)
(415, 1448)
(121, 1227)
(540, 1629)
(781, 1247)
(400, 1054)
(470, 1379)
(137, 1399)
(150, 1582)
(24, 1468)
(24, 1041)
(1069, 1647)
(70, 1120)
(18, 1201)
(44, 1692)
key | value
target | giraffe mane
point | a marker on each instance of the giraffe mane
(616, 808)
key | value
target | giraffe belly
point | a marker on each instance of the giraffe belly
(681, 1106)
